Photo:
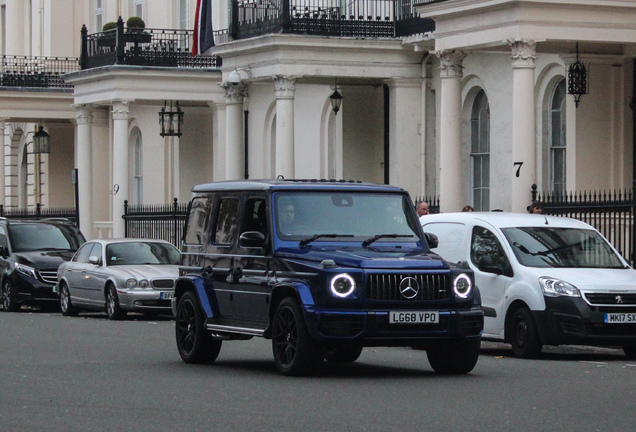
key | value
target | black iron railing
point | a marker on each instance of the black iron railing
(141, 47)
(353, 18)
(432, 201)
(610, 212)
(39, 212)
(164, 221)
(37, 72)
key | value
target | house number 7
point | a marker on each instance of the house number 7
(518, 165)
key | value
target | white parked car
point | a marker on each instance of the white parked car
(119, 275)
(544, 280)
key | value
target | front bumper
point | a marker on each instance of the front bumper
(568, 320)
(145, 300)
(33, 290)
(372, 327)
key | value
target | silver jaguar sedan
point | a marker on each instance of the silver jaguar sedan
(120, 275)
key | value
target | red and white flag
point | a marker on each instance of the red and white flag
(203, 38)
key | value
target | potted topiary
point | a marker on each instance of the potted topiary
(108, 37)
(135, 30)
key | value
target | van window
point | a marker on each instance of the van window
(451, 239)
(485, 243)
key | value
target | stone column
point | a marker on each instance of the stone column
(121, 110)
(450, 175)
(523, 123)
(235, 141)
(83, 162)
(285, 91)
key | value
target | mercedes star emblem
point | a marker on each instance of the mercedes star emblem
(409, 287)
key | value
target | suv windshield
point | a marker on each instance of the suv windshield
(342, 216)
(135, 253)
(43, 236)
(561, 247)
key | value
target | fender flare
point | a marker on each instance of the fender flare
(202, 288)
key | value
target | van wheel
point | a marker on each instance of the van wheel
(194, 342)
(9, 302)
(295, 353)
(454, 356)
(523, 335)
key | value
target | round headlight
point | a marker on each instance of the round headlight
(342, 285)
(131, 283)
(462, 285)
(143, 283)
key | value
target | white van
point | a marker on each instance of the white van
(544, 280)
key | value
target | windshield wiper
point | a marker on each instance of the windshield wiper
(368, 241)
(305, 242)
(525, 250)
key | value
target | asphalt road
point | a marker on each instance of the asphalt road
(91, 374)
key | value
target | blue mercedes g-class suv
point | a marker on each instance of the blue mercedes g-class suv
(323, 269)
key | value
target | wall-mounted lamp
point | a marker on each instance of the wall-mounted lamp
(170, 120)
(577, 79)
(41, 141)
(336, 100)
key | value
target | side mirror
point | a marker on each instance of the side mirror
(486, 265)
(93, 260)
(252, 239)
(432, 240)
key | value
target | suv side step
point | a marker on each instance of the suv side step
(218, 330)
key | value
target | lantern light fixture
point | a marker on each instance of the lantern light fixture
(336, 100)
(41, 141)
(577, 79)
(171, 120)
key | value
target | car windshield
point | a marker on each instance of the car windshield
(341, 216)
(561, 247)
(43, 236)
(137, 253)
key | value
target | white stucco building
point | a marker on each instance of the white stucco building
(474, 109)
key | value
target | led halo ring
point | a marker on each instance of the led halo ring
(342, 285)
(459, 291)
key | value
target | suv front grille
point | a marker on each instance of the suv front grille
(387, 286)
(49, 275)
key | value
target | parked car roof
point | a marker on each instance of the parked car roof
(504, 220)
(294, 184)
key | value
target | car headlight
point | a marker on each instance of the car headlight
(462, 285)
(26, 270)
(555, 287)
(131, 283)
(342, 285)
(144, 283)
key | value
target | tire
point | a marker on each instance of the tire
(454, 356)
(194, 342)
(630, 351)
(66, 307)
(113, 310)
(343, 353)
(9, 302)
(523, 335)
(295, 353)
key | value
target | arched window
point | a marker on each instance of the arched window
(557, 138)
(480, 152)
(137, 171)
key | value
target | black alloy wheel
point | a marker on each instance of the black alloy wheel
(194, 342)
(295, 353)
(9, 302)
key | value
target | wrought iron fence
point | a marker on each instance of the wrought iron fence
(354, 18)
(38, 72)
(142, 47)
(164, 221)
(610, 212)
(433, 202)
(39, 212)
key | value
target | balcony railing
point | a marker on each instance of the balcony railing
(36, 72)
(353, 18)
(141, 47)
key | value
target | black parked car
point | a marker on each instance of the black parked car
(323, 269)
(30, 253)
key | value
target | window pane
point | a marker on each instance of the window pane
(226, 221)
